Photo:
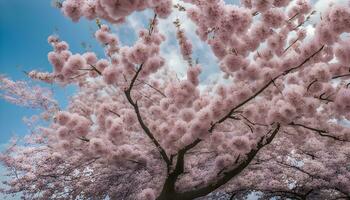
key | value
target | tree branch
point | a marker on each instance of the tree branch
(321, 132)
(169, 184)
(141, 122)
(233, 172)
(168, 187)
(151, 86)
(340, 76)
(263, 89)
(309, 86)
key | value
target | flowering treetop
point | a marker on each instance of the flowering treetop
(134, 130)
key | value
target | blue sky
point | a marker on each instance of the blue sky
(24, 28)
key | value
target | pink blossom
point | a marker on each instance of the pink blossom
(74, 63)
(63, 133)
(193, 73)
(213, 10)
(138, 54)
(102, 64)
(185, 44)
(218, 48)
(187, 114)
(164, 104)
(281, 3)
(261, 31)
(116, 128)
(163, 9)
(339, 18)
(223, 161)
(286, 110)
(247, 3)
(97, 145)
(102, 36)
(129, 118)
(234, 63)
(63, 117)
(90, 58)
(52, 39)
(42, 76)
(89, 10)
(61, 46)
(205, 115)
(180, 129)
(274, 17)
(342, 52)
(240, 143)
(154, 63)
(342, 100)
(72, 9)
(56, 60)
(294, 93)
(262, 5)
(147, 194)
(324, 35)
(111, 74)
(239, 16)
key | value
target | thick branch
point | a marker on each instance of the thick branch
(242, 103)
(140, 120)
(263, 89)
(169, 184)
(171, 179)
(305, 61)
(233, 172)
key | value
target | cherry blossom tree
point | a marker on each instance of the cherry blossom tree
(277, 122)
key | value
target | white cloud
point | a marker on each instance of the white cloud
(174, 60)
(170, 49)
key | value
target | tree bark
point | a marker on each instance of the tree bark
(169, 193)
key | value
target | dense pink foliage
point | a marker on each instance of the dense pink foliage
(134, 130)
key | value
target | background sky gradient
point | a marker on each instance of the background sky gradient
(24, 28)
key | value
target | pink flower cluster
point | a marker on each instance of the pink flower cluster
(121, 63)
(23, 94)
(114, 11)
(274, 17)
(185, 44)
(72, 125)
(42, 76)
(342, 101)
(342, 52)
(262, 5)
(110, 40)
(60, 54)
(336, 21)
(233, 63)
